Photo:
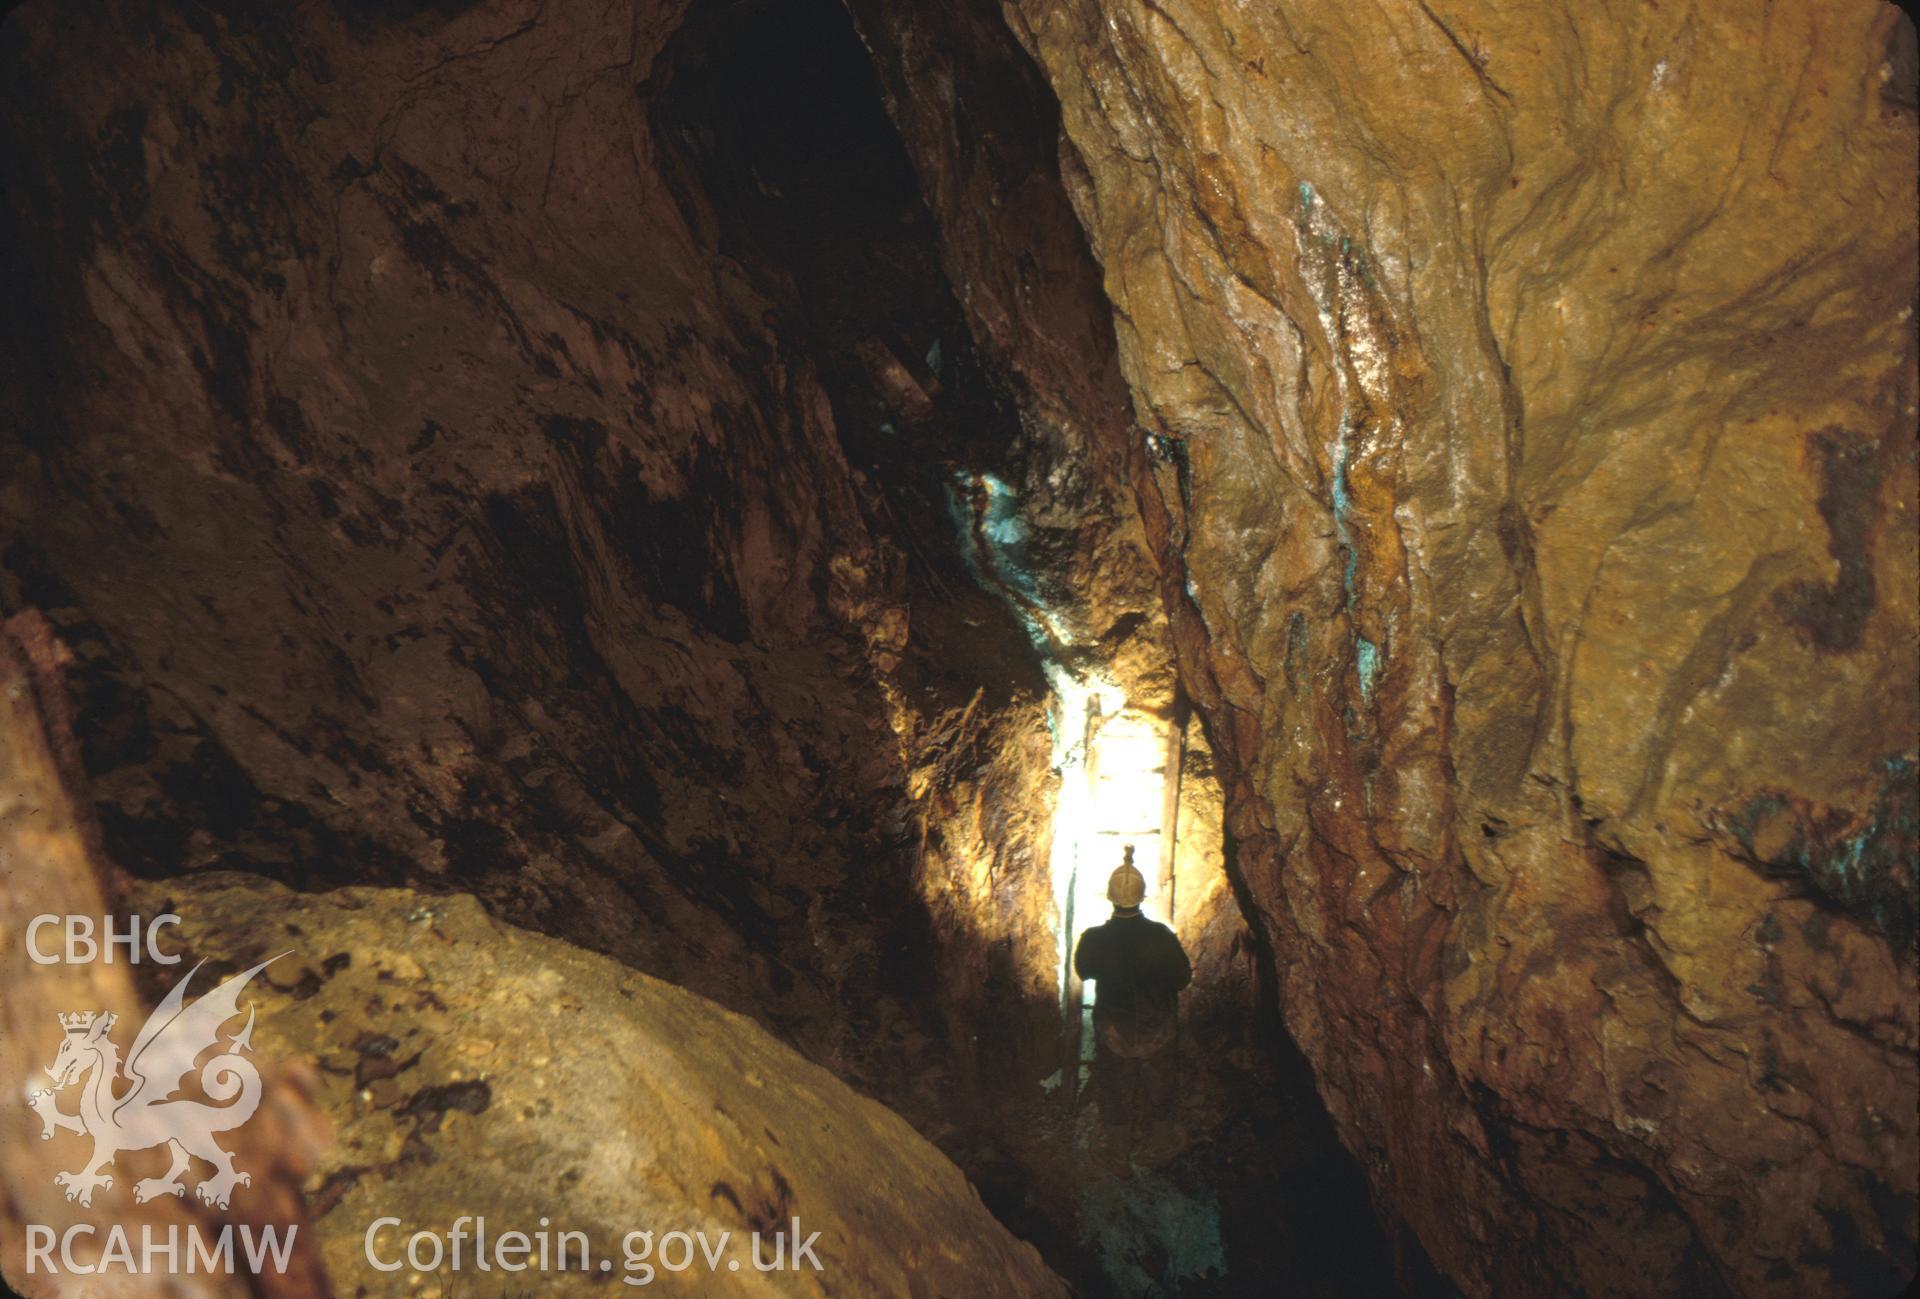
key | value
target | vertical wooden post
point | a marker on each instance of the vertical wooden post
(1071, 989)
(1170, 808)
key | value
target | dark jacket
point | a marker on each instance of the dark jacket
(1138, 965)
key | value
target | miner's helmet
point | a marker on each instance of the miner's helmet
(1126, 887)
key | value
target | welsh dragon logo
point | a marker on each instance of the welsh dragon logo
(148, 1112)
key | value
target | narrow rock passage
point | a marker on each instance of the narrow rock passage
(777, 113)
(635, 567)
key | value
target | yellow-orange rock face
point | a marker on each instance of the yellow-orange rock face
(1545, 381)
(451, 1046)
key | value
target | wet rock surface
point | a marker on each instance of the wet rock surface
(1538, 401)
(472, 1068)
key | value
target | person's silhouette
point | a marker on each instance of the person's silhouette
(1139, 968)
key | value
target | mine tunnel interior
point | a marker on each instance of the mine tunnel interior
(660, 557)
(1046, 736)
(779, 137)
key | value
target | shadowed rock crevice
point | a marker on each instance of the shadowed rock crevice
(992, 434)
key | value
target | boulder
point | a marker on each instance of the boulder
(474, 1070)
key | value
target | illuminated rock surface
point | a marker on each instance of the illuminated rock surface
(471, 1068)
(1546, 388)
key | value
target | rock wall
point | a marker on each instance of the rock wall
(427, 499)
(1534, 394)
(415, 523)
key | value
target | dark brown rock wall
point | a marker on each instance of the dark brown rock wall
(1545, 387)
(428, 500)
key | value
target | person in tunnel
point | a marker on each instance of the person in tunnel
(1138, 968)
